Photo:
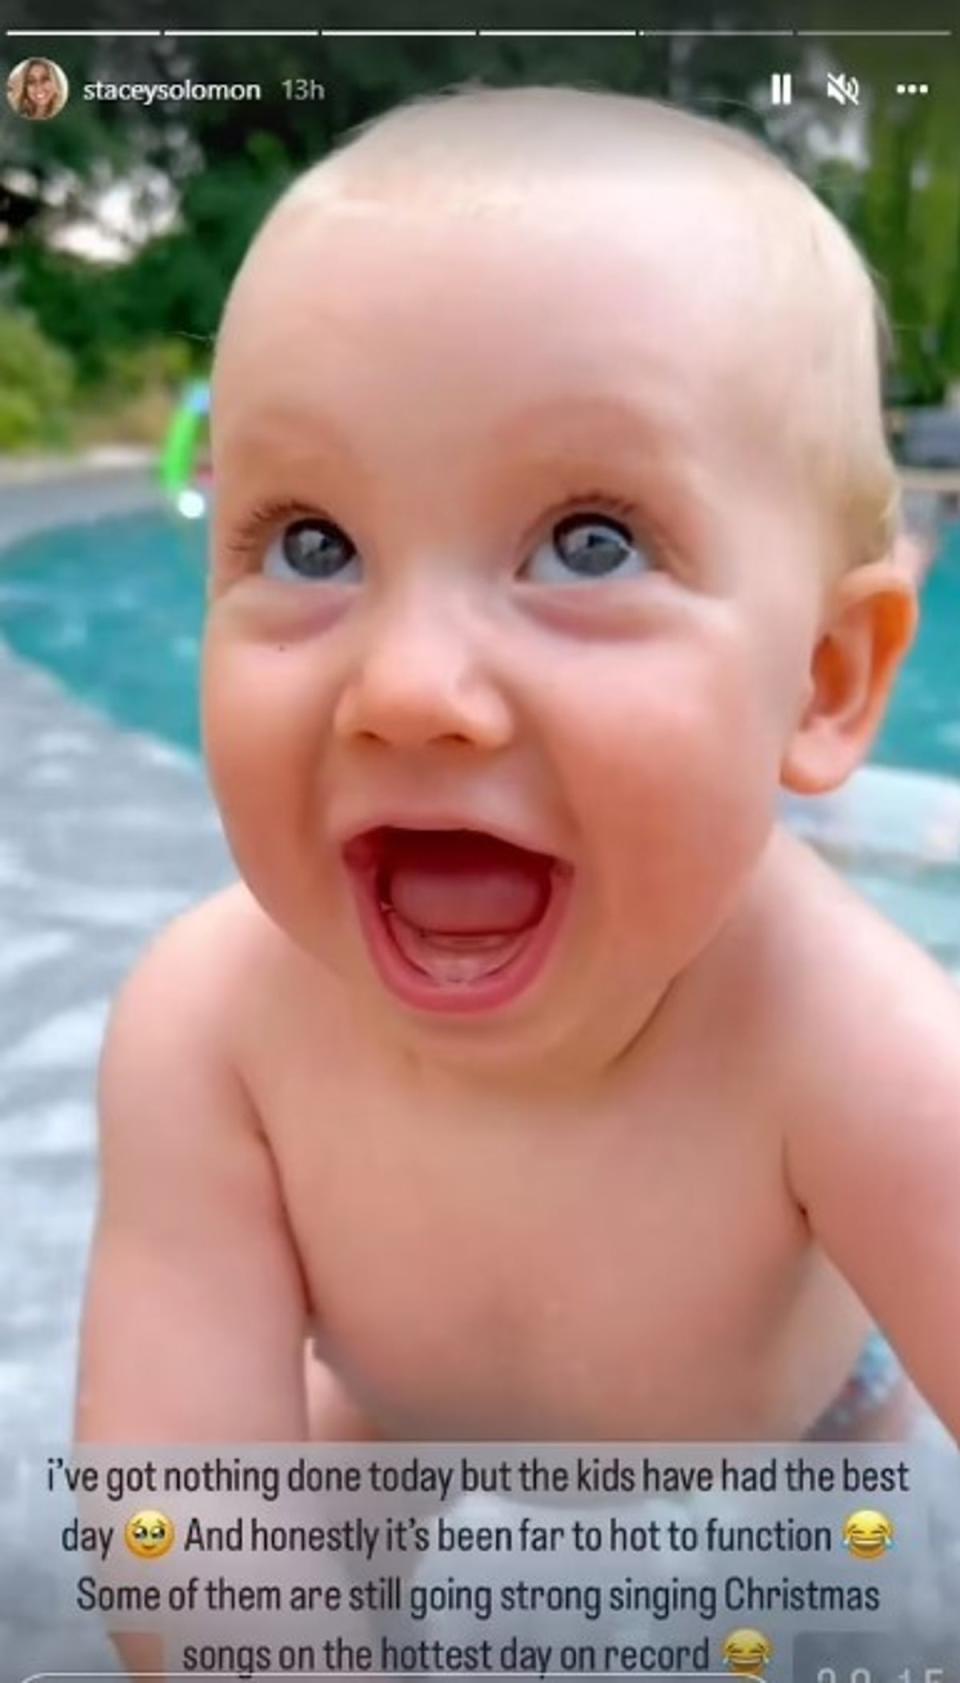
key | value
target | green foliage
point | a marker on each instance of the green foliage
(35, 386)
(73, 302)
(138, 393)
(903, 207)
(221, 164)
(154, 365)
(177, 284)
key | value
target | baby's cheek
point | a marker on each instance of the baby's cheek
(260, 727)
(680, 795)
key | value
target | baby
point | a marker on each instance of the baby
(532, 1083)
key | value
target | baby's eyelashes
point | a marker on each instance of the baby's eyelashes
(583, 547)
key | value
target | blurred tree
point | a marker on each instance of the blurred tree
(193, 180)
(35, 385)
(215, 166)
(903, 203)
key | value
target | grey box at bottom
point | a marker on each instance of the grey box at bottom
(871, 1657)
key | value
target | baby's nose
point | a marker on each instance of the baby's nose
(421, 679)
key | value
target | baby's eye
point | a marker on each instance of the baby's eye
(588, 546)
(310, 549)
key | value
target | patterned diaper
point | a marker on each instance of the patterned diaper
(872, 1382)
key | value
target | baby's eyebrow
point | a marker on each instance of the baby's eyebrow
(577, 441)
(302, 437)
(582, 421)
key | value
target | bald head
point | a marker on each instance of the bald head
(805, 309)
(495, 145)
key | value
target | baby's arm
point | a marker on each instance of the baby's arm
(195, 1313)
(879, 1176)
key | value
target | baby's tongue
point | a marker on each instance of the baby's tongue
(458, 882)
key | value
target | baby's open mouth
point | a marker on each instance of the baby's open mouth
(459, 906)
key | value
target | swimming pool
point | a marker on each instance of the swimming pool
(115, 607)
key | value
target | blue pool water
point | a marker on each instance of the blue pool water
(115, 609)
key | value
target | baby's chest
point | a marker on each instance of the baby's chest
(494, 1253)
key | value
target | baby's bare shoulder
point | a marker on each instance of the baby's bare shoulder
(869, 1081)
(172, 1083)
(231, 915)
(867, 1019)
(194, 984)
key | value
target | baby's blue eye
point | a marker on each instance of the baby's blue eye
(309, 549)
(589, 546)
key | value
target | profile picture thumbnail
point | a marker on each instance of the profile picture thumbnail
(37, 89)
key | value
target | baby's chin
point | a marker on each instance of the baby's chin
(567, 1005)
(589, 1006)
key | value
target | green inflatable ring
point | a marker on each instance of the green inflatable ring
(179, 455)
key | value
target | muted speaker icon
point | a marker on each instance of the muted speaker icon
(844, 89)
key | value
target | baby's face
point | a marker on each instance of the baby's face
(504, 536)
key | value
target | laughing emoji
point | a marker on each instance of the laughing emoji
(747, 1653)
(867, 1534)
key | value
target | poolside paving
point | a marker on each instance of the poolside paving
(105, 836)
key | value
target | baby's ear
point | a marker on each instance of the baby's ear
(869, 630)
